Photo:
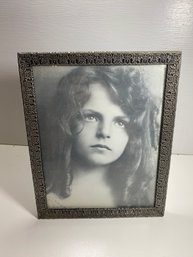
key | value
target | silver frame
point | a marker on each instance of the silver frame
(26, 62)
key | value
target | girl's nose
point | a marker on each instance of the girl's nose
(103, 130)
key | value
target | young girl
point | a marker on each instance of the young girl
(103, 139)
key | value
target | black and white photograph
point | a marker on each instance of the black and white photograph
(99, 133)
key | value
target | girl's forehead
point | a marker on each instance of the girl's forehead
(106, 92)
(100, 100)
(100, 92)
(97, 87)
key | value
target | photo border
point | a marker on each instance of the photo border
(171, 59)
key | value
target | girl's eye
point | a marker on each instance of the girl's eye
(90, 117)
(120, 124)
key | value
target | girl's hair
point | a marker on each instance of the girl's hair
(132, 176)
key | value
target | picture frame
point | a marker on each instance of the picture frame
(99, 129)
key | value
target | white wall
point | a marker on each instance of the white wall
(103, 25)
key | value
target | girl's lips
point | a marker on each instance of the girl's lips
(101, 146)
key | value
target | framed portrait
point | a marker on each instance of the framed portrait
(99, 128)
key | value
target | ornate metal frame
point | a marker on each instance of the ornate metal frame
(170, 59)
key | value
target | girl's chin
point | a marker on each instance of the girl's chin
(95, 159)
(99, 161)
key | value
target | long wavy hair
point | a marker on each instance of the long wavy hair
(132, 176)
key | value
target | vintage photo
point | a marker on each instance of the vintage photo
(99, 130)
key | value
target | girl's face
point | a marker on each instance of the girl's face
(104, 137)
